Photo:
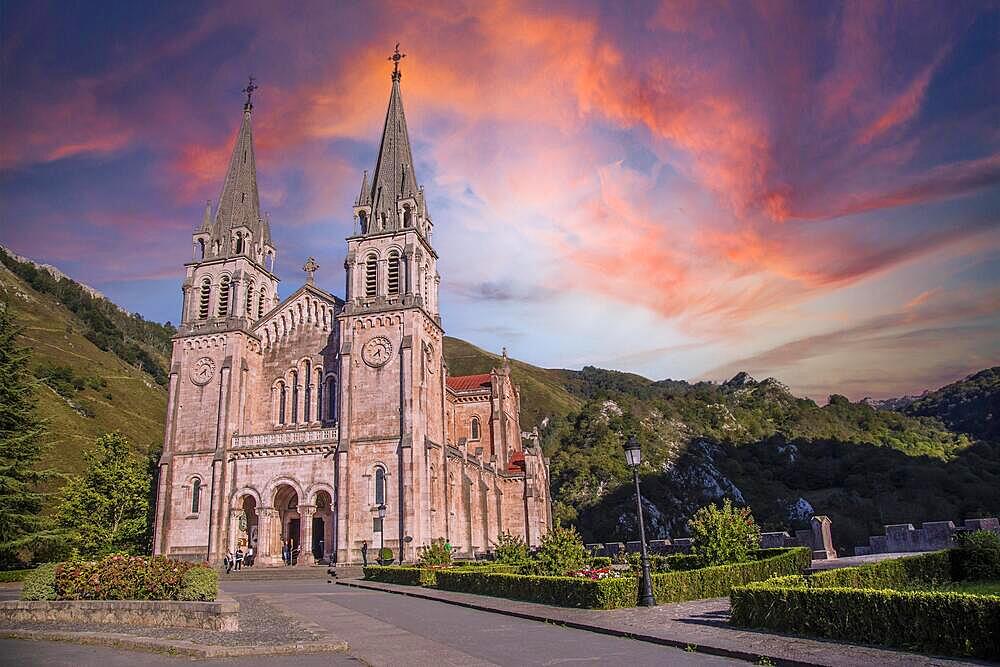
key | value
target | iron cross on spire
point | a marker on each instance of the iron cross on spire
(249, 91)
(395, 58)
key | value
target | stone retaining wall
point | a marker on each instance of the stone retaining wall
(931, 536)
(220, 615)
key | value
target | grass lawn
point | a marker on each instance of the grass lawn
(983, 587)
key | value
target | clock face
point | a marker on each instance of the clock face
(203, 371)
(377, 351)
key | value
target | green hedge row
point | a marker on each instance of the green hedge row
(849, 604)
(949, 623)
(719, 580)
(7, 576)
(614, 593)
(412, 575)
(121, 577)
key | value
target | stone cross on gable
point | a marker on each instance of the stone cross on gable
(310, 268)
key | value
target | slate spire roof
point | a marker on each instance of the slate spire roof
(239, 202)
(393, 178)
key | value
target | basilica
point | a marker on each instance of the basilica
(325, 423)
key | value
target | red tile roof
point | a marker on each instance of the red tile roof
(516, 462)
(469, 382)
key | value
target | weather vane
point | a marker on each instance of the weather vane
(249, 91)
(395, 58)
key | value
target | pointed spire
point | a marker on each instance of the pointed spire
(206, 221)
(239, 201)
(365, 197)
(393, 178)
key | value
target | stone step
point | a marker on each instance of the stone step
(261, 573)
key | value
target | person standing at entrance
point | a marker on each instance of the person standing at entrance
(364, 553)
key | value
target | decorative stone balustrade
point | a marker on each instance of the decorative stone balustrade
(284, 438)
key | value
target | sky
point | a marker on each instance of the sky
(804, 190)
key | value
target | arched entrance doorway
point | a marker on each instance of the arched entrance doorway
(286, 503)
(244, 524)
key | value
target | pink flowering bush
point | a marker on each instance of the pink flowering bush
(123, 577)
(596, 573)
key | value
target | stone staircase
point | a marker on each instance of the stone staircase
(294, 572)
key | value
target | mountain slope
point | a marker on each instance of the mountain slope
(543, 393)
(970, 406)
(83, 391)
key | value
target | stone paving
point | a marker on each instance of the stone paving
(702, 624)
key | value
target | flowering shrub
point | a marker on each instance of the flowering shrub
(597, 573)
(725, 534)
(122, 577)
(436, 554)
(511, 549)
(561, 551)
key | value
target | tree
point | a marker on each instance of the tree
(23, 531)
(726, 534)
(106, 509)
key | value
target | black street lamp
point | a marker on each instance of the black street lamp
(381, 524)
(633, 456)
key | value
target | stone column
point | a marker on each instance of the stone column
(306, 513)
(268, 551)
(234, 529)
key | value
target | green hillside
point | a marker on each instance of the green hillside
(84, 391)
(970, 406)
(543, 393)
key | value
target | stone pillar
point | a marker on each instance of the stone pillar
(234, 529)
(268, 551)
(306, 513)
(822, 538)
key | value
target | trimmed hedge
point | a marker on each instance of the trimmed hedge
(8, 576)
(613, 593)
(410, 575)
(719, 580)
(40, 584)
(121, 577)
(847, 604)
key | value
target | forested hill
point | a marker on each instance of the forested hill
(785, 456)
(99, 369)
(935, 457)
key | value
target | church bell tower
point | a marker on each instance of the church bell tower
(392, 376)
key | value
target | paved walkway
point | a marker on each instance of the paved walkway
(386, 629)
(701, 623)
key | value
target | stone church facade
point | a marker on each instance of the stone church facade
(295, 419)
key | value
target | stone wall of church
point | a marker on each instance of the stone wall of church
(189, 525)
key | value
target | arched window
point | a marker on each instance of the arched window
(282, 395)
(239, 243)
(393, 277)
(201, 248)
(260, 308)
(195, 496)
(295, 397)
(371, 276)
(216, 247)
(308, 404)
(223, 310)
(249, 308)
(319, 394)
(407, 216)
(474, 429)
(206, 292)
(380, 485)
(363, 218)
(331, 399)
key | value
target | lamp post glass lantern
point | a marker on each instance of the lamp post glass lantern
(381, 532)
(633, 456)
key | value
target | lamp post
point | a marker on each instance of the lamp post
(633, 456)
(381, 524)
